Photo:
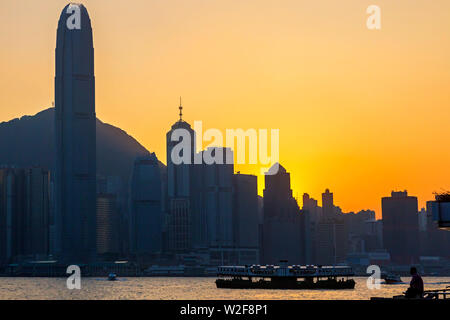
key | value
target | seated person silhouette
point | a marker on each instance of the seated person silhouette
(415, 289)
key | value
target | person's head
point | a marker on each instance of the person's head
(413, 271)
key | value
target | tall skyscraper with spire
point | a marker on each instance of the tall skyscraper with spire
(75, 118)
(179, 186)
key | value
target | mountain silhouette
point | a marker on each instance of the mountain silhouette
(29, 141)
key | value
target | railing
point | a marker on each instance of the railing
(437, 294)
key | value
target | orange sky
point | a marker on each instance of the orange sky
(360, 112)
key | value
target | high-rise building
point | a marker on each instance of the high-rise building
(328, 208)
(282, 238)
(326, 243)
(218, 199)
(332, 234)
(37, 218)
(146, 218)
(12, 212)
(422, 215)
(400, 227)
(179, 185)
(245, 213)
(115, 185)
(24, 214)
(436, 242)
(246, 217)
(107, 226)
(311, 214)
(75, 174)
(331, 242)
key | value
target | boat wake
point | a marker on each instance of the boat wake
(103, 279)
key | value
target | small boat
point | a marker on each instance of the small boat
(392, 279)
(112, 277)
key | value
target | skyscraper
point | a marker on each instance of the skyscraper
(332, 237)
(37, 212)
(311, 217)
(107, 225)
(401, 226)
(11, 214)
(282, 238)
(328, 205)
(146, 207)
(179, 186)
(437, 242)
(218, 196)
(24, 213)
(75, 193)
(245, 217)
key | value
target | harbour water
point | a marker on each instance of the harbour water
(187, 288)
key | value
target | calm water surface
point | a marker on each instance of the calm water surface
(185, 288)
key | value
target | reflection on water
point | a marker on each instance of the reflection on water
(185, 288)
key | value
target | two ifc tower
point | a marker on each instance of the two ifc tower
(75, 174)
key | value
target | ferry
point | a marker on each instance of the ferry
(285, 277)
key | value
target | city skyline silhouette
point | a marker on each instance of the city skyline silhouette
(316, 164)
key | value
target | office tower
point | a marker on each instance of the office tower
(282, 239)
(179, 185)
(245, 211)
(107, 222)
(117, 186)
(332, 234)
(199, 222)
(326, 243)
(373, 235)
(328, 205)
(146, 212)
(75, 193)
(362, 228)
(37, 218)
(11, 214)
(423, 236)
(310, 205)
(24, 214)
(212, 200)
(218, 195)
(52, 228)
(260, 226)
(437, 242)
(422, 216)
(340, 240)
(246, 218)
(114, 185)
(311, 215)
(400, 227)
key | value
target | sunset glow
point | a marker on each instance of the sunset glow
(361, 112)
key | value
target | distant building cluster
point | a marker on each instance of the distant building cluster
(207, 215)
